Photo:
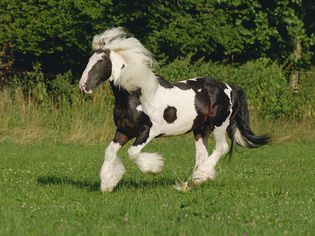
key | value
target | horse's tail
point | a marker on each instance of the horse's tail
(239, 130)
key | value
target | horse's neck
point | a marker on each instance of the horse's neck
(122, 97)
(148, 88)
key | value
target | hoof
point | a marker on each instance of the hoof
(106, 189)
(111, 174)
(202, 176)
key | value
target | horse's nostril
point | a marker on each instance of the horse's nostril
(82, 86)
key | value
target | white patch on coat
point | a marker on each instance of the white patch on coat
(228, 92)
(182, 100)
(194, 79)
(199, 90)
(139, 108)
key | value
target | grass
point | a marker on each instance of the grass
(53, 189)
(50, 156)
(27, 121)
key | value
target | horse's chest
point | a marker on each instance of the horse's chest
(129, 118)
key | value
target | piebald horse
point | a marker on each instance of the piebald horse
(148, 106)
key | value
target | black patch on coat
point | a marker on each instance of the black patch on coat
(211, 103)
(170, 114)
(128, 119)
(164, 83)
(194, 84)
(143, 135)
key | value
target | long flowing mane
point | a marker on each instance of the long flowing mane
(140, 60)
(117, 40)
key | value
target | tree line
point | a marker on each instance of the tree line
(58, 33)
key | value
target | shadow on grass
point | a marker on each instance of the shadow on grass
(95, 186)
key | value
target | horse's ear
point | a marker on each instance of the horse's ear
(96, 43)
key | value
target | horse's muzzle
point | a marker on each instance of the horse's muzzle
(84, 88)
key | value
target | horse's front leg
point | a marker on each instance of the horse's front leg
(149, 163)
(112, 169)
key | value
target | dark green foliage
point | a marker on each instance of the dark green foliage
(198, 27)
(58, 33)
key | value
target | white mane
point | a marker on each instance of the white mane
(139, 60)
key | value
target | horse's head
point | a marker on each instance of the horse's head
(98, 70)
(118, 58)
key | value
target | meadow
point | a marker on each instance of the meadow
(51, 188)
(52, 141)
(52, 137)
(51, 152)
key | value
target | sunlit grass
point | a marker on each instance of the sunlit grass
(25, 121)
(53, 189)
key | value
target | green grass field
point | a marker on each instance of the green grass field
(53, 189)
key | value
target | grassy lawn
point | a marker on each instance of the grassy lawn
(53, 189)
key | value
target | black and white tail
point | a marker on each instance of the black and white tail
(239, 130)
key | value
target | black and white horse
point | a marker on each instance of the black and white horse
(147, 106)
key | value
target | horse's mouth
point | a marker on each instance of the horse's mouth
(84, 89)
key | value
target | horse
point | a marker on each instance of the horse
(147, 106)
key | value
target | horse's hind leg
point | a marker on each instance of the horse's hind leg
(206, 169)
(112, 169)
(201, 139)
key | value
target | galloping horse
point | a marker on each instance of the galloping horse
(148, 106)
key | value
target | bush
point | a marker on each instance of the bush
(264, 82)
